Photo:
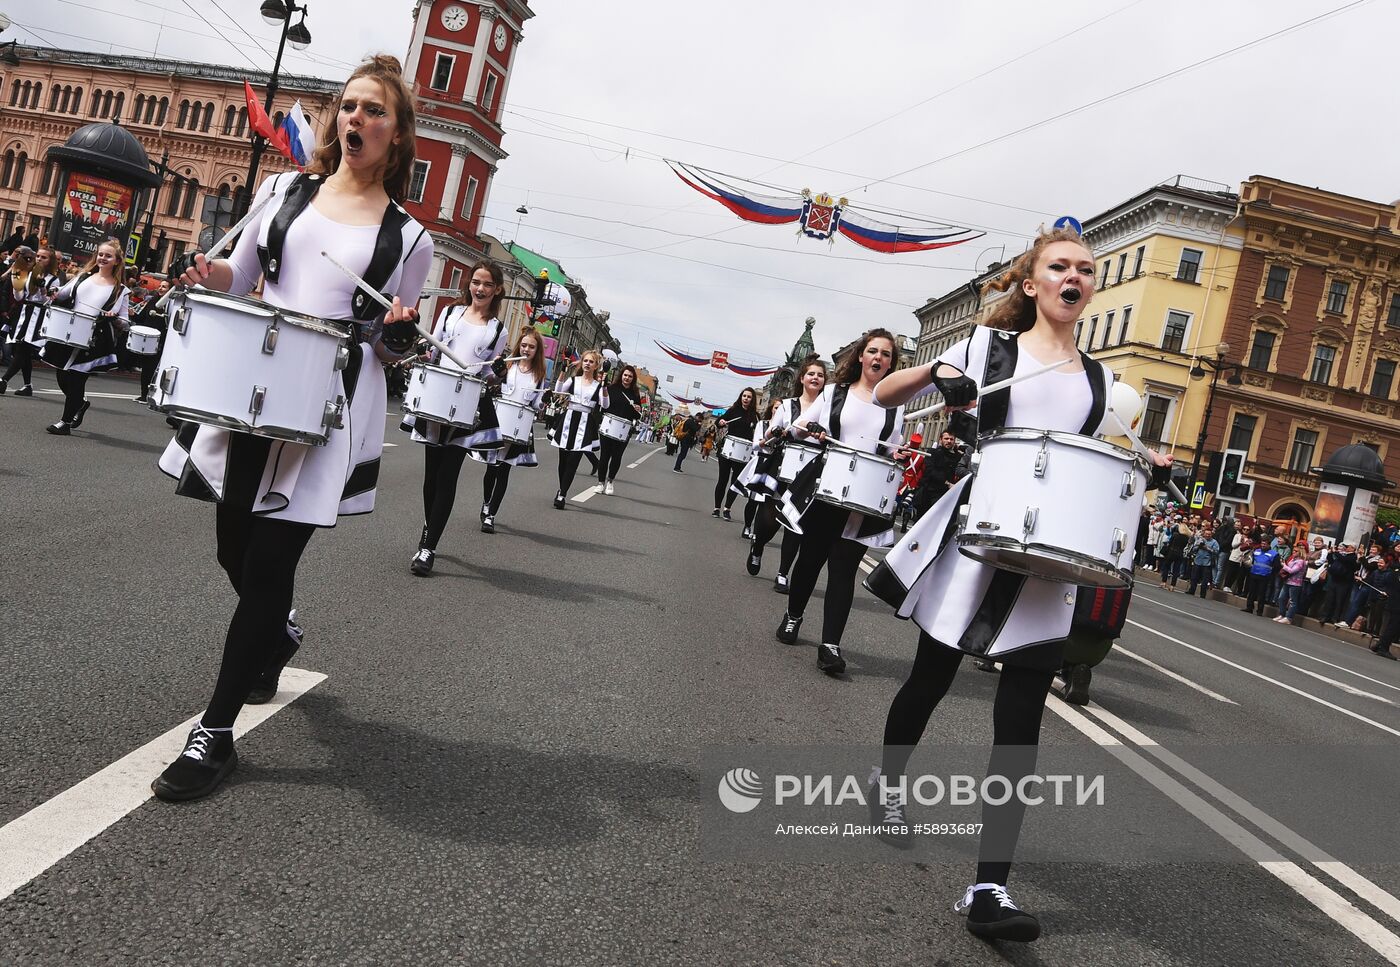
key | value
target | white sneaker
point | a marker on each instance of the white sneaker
(608, 488)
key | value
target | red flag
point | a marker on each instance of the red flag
(262, 124)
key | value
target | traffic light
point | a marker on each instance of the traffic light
(1231, 472)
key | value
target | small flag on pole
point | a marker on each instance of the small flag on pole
(300, 137)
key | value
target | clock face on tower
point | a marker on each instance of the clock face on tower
(500, 37)
(454, 17)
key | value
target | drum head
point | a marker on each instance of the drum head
(1048, 564)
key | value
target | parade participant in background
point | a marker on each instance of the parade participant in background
(707, 441)
(686, 434)
(963, 606)
(272, 495)
(475, 334)
(624, 402)
(45, 280)
(766, 525)
(152, 316)
(832, 537)
(576, 431)
(97, 292)
(522, 384)
(759, 476)
(739, 421)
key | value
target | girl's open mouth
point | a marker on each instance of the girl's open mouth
(353, 141)
(1070, 296)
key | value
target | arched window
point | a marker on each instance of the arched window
(7, 170)
(160, 115)
(140, 103)
(242, 121)
(184, 114)
(150, 110)
(14, 93)
(20, 165)
(191, 195)
(172, 204)
(96, 103)
(34, 97)
(208, 117)
(107, 104)
(77, 100)
(121, 99)
(24, 94)
(230, 115)
(54, 93)
(63, 101)
(46, 187)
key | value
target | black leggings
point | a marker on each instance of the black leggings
(823, 546)
(611, 456)
(493, 486)
(728, 472)
(260, 557)
(568, 466)
(751, 511)
(21, 361)
(73, 383)
(441, 467)
(1016, 714)
(766, 526)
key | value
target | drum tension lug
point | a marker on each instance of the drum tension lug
(1040, 460)
(334, 416)
(1129, 484)
(1120, 541)
(1032, 515)
(182, 320)
(167, 379)
(269, 345)
(255, 404)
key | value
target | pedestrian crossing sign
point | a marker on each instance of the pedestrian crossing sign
(1198, 496)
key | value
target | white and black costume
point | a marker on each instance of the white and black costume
(575, 432)
(26, 320)
(521, 386)
(624, 403)
(740, 424)
(761, 477)
(88, 294)
(447, 445)
(272, 494)
(833, 537)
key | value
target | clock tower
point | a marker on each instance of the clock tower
(458, 66)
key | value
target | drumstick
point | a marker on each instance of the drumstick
(229, 237)
(379, 297)
(1141, 450)
(992, 388)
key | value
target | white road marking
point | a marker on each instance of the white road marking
(89, 394)
(1174, 676)
(642, 459)
(391, 444)
(50, 831)
(1361, 925)
(1273, 681)
(591, 491)
(1350, 690)
(1274, 644)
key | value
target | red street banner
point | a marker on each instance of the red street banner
(719, 360)
(90, 209)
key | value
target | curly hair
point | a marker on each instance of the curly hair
(1016, 312)
(398, 169)
(848, 366)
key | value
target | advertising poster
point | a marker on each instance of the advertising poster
(90, 208)
(1330, 511)
(1362, 517)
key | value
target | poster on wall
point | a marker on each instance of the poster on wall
(1329, 513)
(90, 208)
(1362, 517)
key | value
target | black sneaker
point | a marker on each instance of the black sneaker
(726, 515)
(3, 386)
(207, 760)
(25, 391)
(1077, 684)
(829, 659)
(59, 429)
(755, 562)
(265, 688)
(991, 914)
(780, 583)
(78, 417)
(787, 629)
(485, 513)
(422, 563)
(888, 817)
(559, 500)
(488, 525)
(715, 513)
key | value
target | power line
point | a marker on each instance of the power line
(224, 37)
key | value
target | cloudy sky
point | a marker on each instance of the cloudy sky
(998, 117)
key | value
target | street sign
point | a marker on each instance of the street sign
(1198, 496)
(133, 246)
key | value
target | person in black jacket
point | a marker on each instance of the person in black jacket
(1341, 570)
(740, 420)
(939, 472)
(1387, 585)
(689, 432)
(625, 401)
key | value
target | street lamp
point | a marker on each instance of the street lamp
(274, 12)
(1217, 366)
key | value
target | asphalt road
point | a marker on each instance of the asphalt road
(509, 762)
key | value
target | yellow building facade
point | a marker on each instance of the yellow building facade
(1166, 262)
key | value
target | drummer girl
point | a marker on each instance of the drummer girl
(31, 301)
(96, 291)
(813, 381)
(476, 336)
(522, 384)
(576, 431)
(740, 420)
(759, 474)
(833, 537)
(625, 403)
(965, 607)
(272, 495)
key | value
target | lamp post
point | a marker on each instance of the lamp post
(274, 12)
(1217, 366)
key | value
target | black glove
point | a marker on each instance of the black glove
(956, 390)
(399, 336)
(813, 427)
(181, 265)
(1159, 477)
(498, 367)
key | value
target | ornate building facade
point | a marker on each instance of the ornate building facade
(783, 383)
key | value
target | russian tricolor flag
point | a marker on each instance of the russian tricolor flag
(301, 139)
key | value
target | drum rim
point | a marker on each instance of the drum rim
(1075, 558)
(70, 311)
(144, 331)
(454, 373)
(1066, 437)
(503, 401)
(285, 434)
(326, 327)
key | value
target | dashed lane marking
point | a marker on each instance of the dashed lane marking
(1349, 689)
(642, 459)
(1174, 676)
(50, 831)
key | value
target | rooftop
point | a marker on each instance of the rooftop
(182, 68)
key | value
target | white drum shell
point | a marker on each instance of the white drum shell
(615, 427)
(446, 395)
(795, 457)
(143, 341)
(68, 326)
(243, 365)
(517, 420)
(859, 481)
(1056, 506)
(736, 448)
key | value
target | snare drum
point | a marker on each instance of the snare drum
(859, 481)
(517, 420)
(68, 326)
(442, 394)
(244, 365)
(615, 427)
(795, 457)
(736, 448)
(143, 341)
(1053, 505)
